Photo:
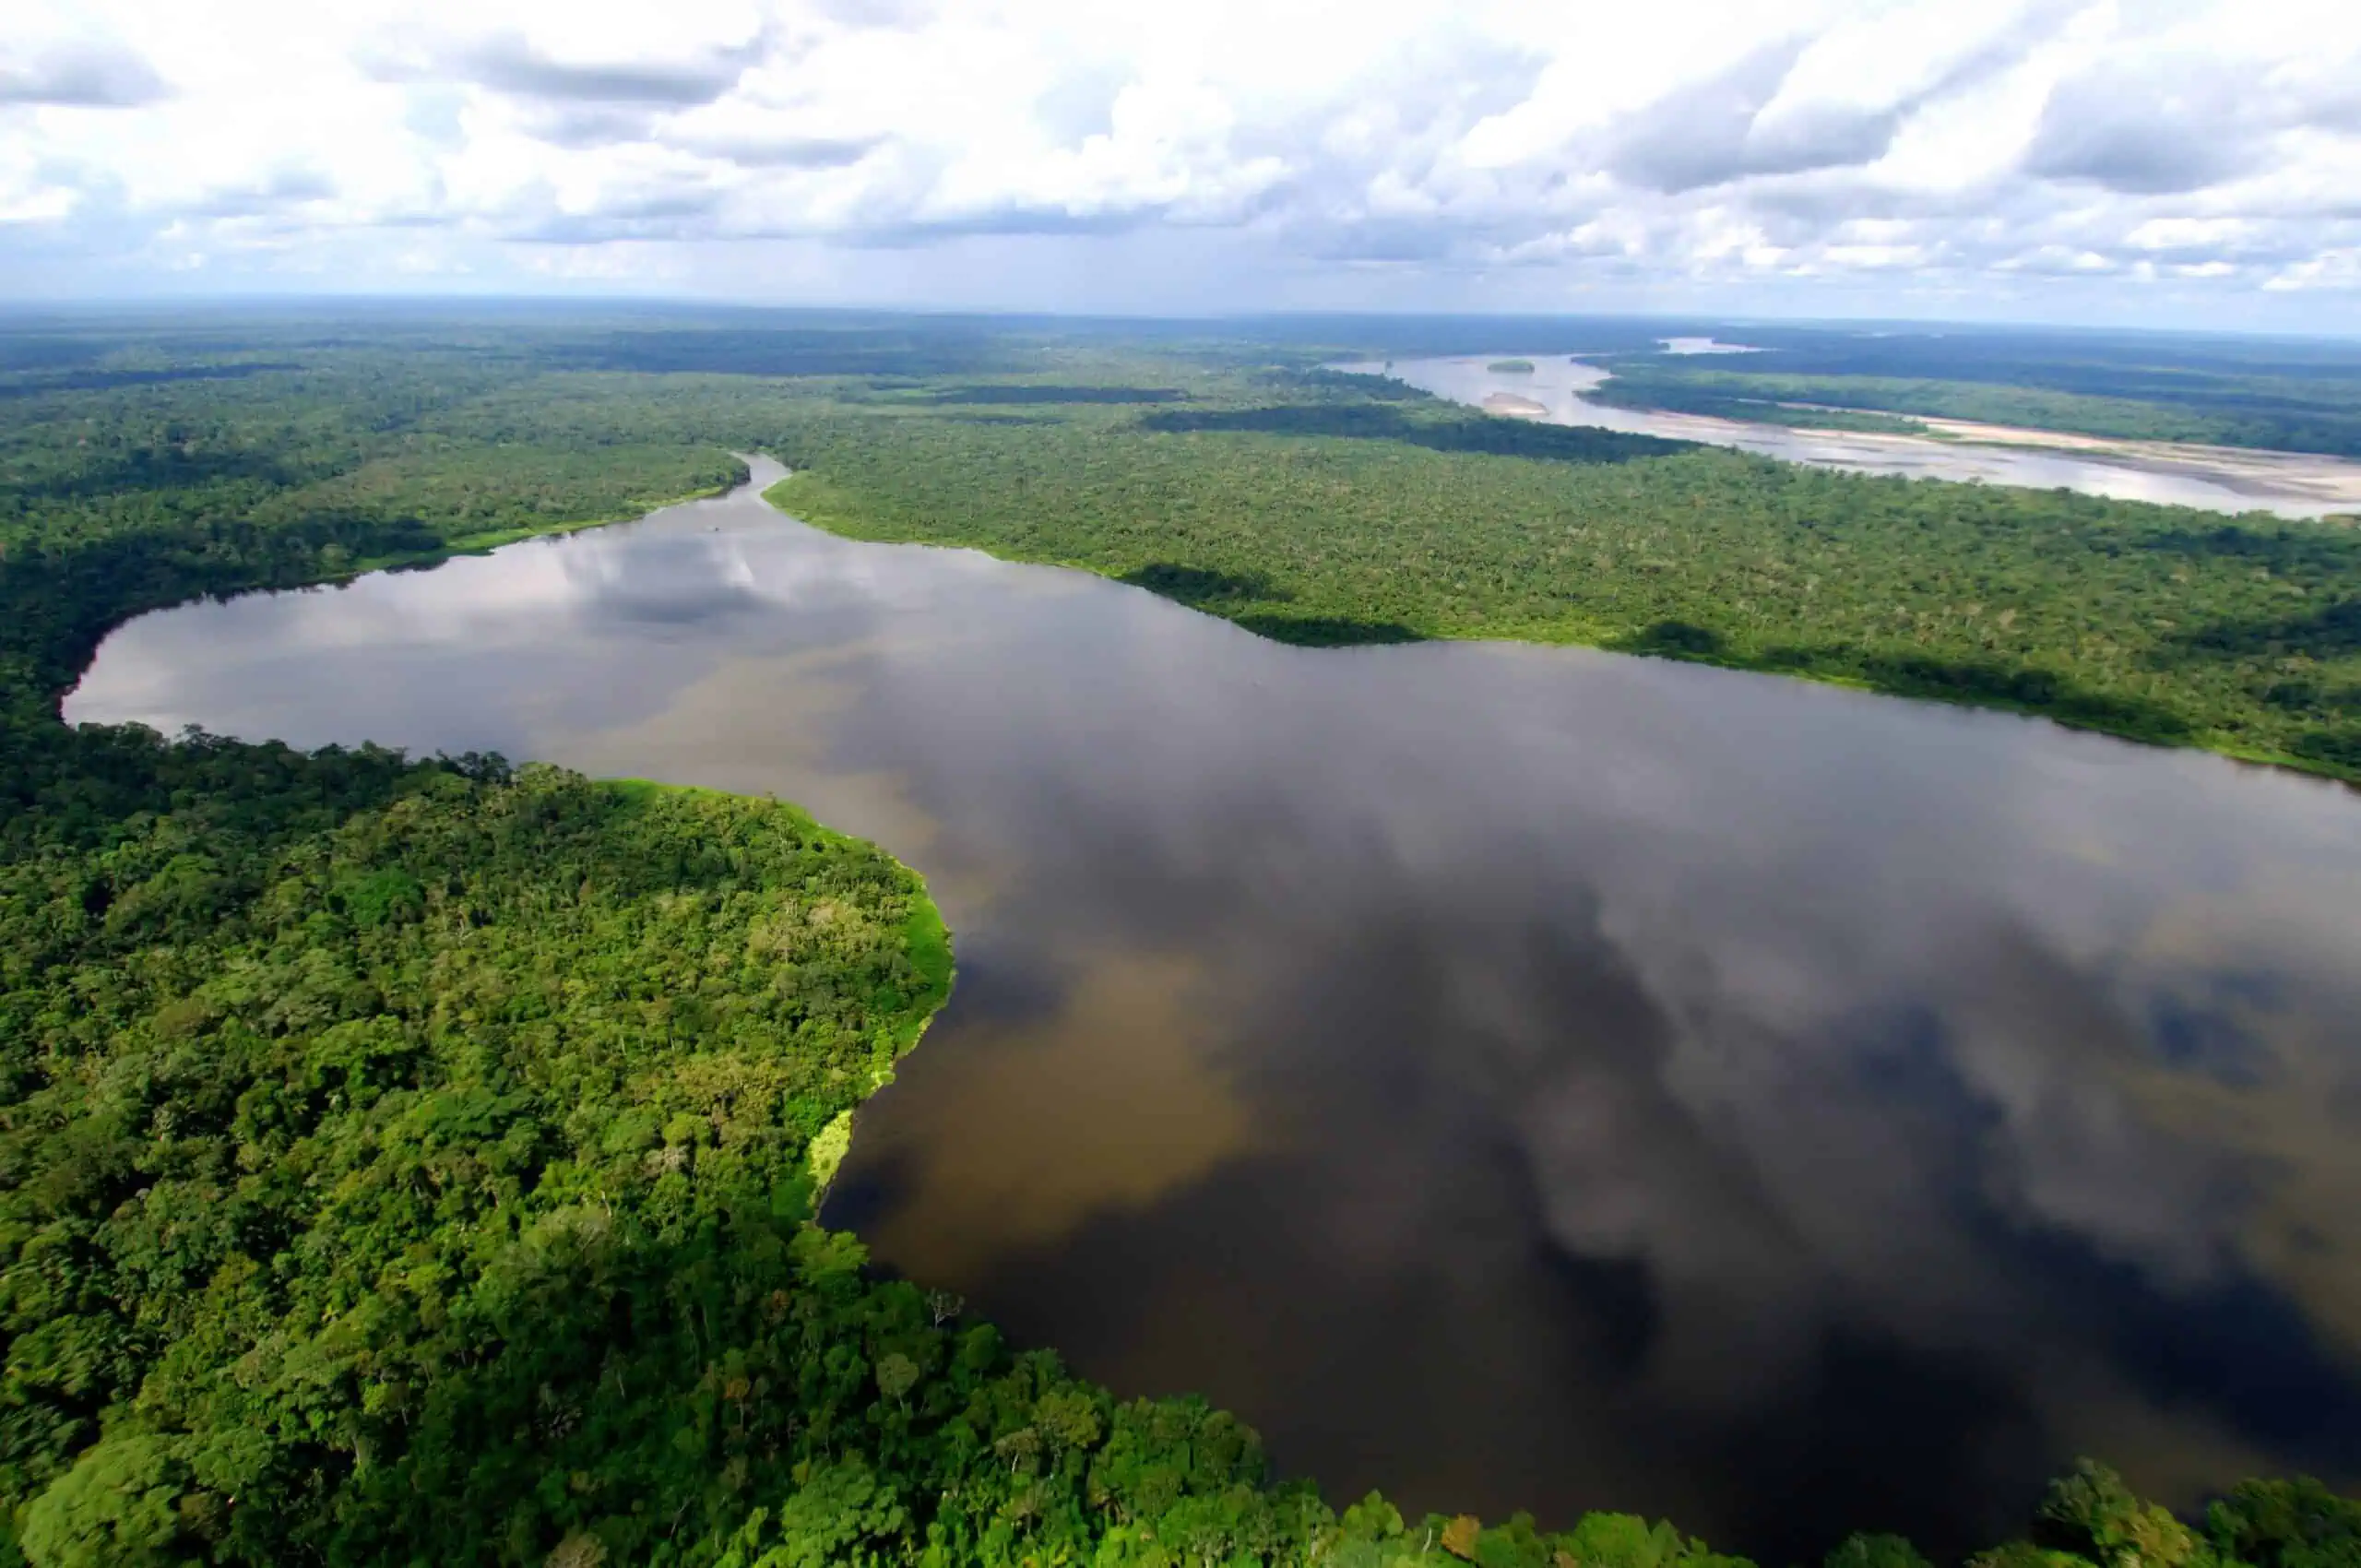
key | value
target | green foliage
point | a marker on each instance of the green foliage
(337, 1157)
(120, 1506)
(1876, 1552)
(2296, 1524)
(1758, 399)
(412, 1162)
(1331, 518)
(2093, 1514)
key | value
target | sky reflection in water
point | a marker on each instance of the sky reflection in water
(1514, 1077)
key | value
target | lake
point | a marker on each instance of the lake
(1512, 1077)
(2220, 479)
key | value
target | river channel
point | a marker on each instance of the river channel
(1512, 1077)
(2219, 478)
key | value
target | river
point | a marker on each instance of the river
(1514, 1077)
(2220, 479)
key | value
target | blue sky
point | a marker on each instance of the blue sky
(2159, 162)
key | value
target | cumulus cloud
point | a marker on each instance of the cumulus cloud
(2151, 128)
(511, 64)
(288, 185)
(1493, 151)
(1709, 133)
(77, 73)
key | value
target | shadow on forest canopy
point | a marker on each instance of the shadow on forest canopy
(107, 380)
(786, 352)
(1237, 596)
(1916, 675)
(1020, 394)
(2334, 631)
(1385, 422)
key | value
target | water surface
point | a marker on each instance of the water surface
(1511, 1077)
(2221, 479)
(1703, 346)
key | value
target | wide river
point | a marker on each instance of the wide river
(1514, 1077)
(2219, 478)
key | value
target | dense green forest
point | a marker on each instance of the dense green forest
(1639, 388)
(413, 1161)
(1315, 512)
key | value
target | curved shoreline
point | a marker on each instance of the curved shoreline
(924, 931)
(926, 935)
(485, 543)
(842, 519)
(926, 939)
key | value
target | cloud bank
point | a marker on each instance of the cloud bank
(2191, 161)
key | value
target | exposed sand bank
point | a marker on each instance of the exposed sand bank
(2224, 479)
(1515, 406)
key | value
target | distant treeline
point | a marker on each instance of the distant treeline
(2303, 407)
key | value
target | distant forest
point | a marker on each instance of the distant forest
(2284, 395)
(413, 1161)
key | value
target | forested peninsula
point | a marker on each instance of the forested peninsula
(1320, 509)
(414, 1161)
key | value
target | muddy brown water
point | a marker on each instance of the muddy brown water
(1511, 1077)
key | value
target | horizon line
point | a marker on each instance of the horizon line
(36, 306)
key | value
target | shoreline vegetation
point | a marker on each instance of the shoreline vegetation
(1330, 511)
(2322, 482)
(415, 1160)
(485, 543)
(2234, 405)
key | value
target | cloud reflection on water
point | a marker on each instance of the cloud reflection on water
(1517, 1078)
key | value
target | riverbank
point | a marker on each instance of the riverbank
(480, 543)
(926, 946)
(415, 1160)
(2054, 607)
(2229, 480)
(618, 1029)
(575, 1053)
(883, 1378)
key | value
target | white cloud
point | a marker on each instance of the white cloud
(74, 72)
(1194, 154)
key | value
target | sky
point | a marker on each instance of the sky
(2152, 162)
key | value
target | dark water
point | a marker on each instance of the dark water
(1511, 1077)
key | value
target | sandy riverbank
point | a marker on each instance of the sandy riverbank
(2224, 479)
(2335, 480)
